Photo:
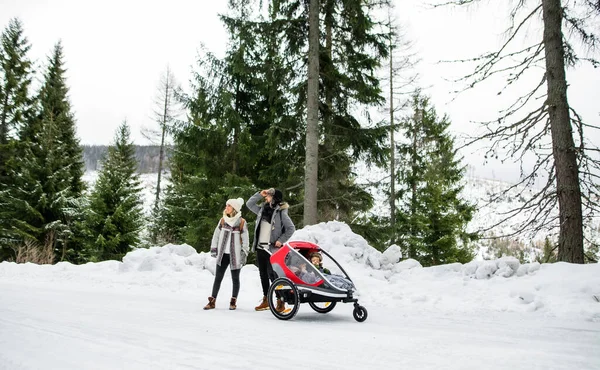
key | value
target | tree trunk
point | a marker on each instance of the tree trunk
(312, 122)
(570, 240)
(417, 120)
(327, 181)
(165, 117)
(392, 147)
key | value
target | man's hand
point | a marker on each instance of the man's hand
(278, 244)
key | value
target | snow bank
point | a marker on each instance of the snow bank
(382, 279)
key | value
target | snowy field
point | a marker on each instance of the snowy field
(145, 312)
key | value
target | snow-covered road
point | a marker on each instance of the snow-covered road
(45, 326)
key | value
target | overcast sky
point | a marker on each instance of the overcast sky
(116, 52)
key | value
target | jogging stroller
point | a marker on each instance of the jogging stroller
(299, 282)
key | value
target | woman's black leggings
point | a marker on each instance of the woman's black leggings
(267, 275)
(235, 277)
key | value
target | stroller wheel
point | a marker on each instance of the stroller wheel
(283, 288)
(360, 313)
(322, 307)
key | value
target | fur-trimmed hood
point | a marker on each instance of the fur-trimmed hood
(282, 226)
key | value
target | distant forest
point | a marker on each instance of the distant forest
(146, 156)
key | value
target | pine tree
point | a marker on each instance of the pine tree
(432, 218)
(15, 106)
(15, 79)
(223, 146)
(55, 105)
(114, 218)
(45, 196)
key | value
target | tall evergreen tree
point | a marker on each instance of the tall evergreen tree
(114, 217)
(432, 218)
(15, 106)
(55, 105)
(15, 79)
(48, 169)
(211, 153)
(223, 145)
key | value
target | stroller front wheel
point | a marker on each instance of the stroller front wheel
(360, 313)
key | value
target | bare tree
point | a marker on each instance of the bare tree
(401, 63)
(164, 113)
(540, 122)
(312, 123)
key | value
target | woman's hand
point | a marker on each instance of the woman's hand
(264, 193)
(278, 244)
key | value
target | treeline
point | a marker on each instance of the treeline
(146, 156)
(245, 130)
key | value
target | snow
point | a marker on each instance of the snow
(145, 312)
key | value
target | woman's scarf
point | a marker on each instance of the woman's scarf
(232, 221)
(267, 212)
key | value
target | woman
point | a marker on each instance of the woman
(230, 246)
(273, 228)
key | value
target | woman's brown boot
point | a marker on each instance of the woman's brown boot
(211, 303)
(232, 305)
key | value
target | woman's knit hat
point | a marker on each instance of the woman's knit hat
(236, 203)
(276, 194)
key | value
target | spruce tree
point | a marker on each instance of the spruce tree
(45, 195)
(432, 218)
(216, 153)
(114, 217)
(55, 105)
(15, 79)
(16, 73)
